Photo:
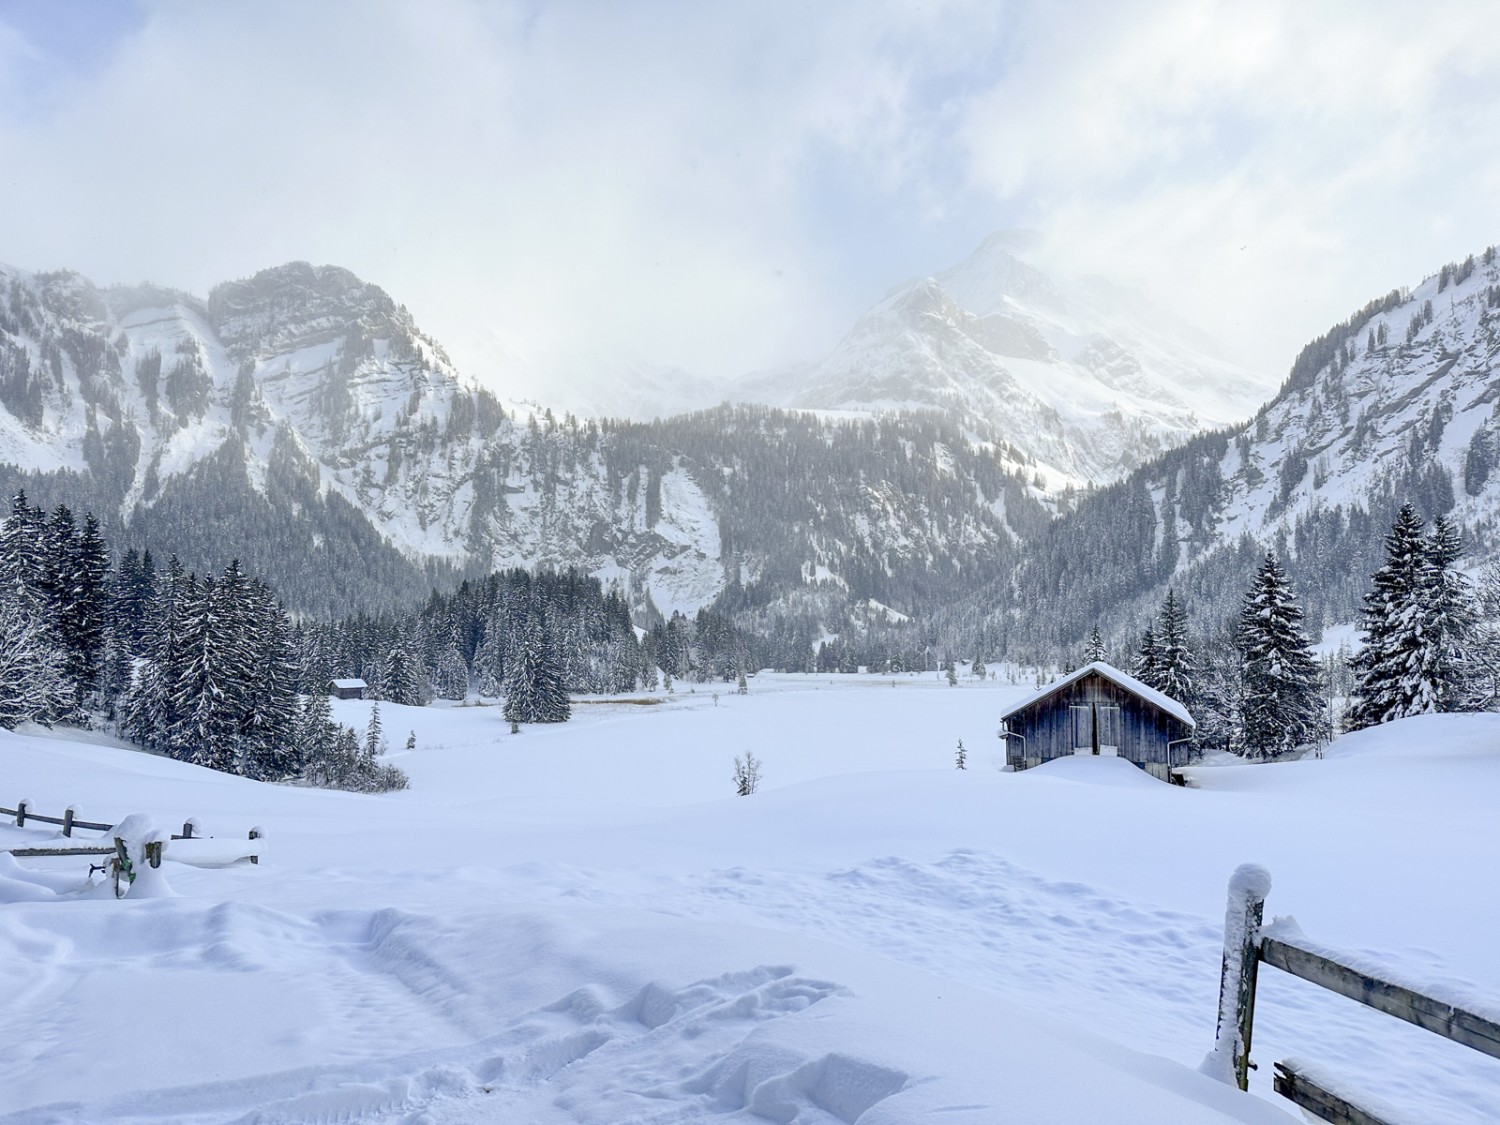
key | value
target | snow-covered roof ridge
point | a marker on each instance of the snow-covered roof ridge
(1114, 675)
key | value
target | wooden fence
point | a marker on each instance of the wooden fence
(1246, 948)
(69, 821)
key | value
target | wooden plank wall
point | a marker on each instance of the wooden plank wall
(1046, 726)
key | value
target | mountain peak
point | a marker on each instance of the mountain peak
(298, 305)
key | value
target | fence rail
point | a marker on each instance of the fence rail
(24, 816)
(1246, 948)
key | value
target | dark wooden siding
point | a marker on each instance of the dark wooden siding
(1050, 727)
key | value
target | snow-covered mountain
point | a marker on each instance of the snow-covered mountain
(1086, 379)
(1401, 402)
(301, 421)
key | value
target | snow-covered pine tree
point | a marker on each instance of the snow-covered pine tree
(1484, 678)
(269, 751)
(1220, 692)
(535, 691)
(961, 759)
(1282, 705)
(34, 686)
(1093, 652)
(742, 687)
(978, 670)
(1148, 659)
(212, 696)
(1395, 668)
(451, 676)
(374, 744)
(1452, 615)
(950, 672)
(151, 713)
(404, 681)
(1176, 667)
(84, 613)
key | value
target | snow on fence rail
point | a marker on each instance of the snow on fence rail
(1247, 945)
(69, 821)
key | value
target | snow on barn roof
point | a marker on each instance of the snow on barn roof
(1109, 672)
(349, 683)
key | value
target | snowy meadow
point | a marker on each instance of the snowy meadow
(583, 923)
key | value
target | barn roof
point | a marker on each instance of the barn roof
(348, 683)
(1109, 672)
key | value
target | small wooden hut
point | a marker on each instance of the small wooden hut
(347, 689)
(1097, 710)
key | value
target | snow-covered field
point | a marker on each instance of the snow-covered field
(583, 924)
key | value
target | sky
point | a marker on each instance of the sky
(725, 187)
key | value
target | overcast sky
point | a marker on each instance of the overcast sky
(726, 186)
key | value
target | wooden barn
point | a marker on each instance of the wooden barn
(347, 689)
(1098, 710)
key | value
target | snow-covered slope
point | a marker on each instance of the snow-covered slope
(1088, 380)
(1400, 403)
(581, 925)
(300, 420)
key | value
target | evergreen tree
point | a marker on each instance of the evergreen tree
(1282, 705)
(535, 691)
(1148, 659)
(1093, 652)
(978, 668)
(962, 758)
(741, 686)
(1451, 617)
(151, 713)
(1395, 669)
(450, 679)
(950, 672)
(403, 683)
(1176, 667)
(34, 686)
(1220, 709)
(374, 737)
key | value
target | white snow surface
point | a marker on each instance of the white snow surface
(580, 924)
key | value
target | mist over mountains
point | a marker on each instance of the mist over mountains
(981, 442)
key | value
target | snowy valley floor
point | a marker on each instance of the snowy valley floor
(582, 924)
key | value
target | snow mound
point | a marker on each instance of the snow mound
(1423, 736)
(1091, 770)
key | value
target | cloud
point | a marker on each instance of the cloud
(725, 187)
(628, 176)
(1264, 168)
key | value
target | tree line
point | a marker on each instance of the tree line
(201, 670)
(1431, 644)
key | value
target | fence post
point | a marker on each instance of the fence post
(68, 821)
(21, 813)
(1230, 1058)
(187, 829)
(255, 834)
(153, 853)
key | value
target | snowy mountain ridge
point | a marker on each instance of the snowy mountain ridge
(300, 420)
(1088, 381)
(321, 383)
(1399, 403)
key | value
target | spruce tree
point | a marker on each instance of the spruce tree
(1176, 667)
(1282, 704)
(535, 691)
(1148, 659)
(1451, 617)
(1093, 652)
(1395, 669)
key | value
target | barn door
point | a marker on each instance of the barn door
(1081, 728)
(1108, 720)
